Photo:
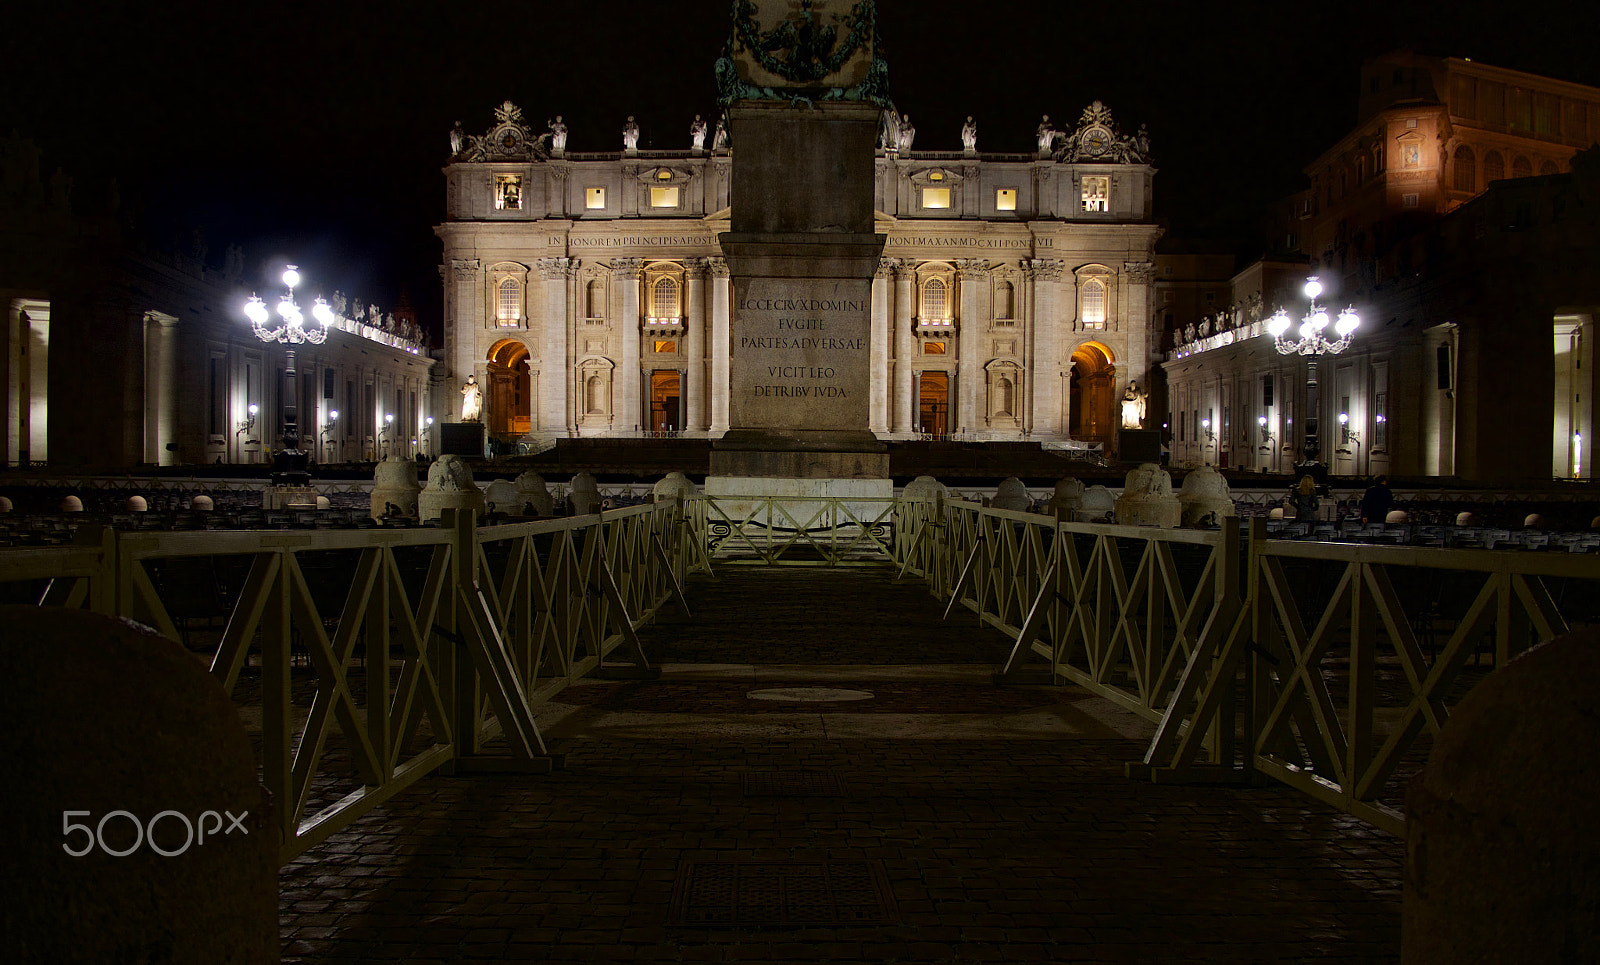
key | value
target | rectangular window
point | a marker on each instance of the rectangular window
(594, 199)
(1442, 358)
(1521, 118)
(349, 404)
(1097, 194)
(1492, 103)
(508, 192)
(1380, 421)
(1546, 114)
(936, 197)
(219, 394)
(1266, 391)
(664, 197)
(1409, 200)
(1005, 199)
(327, 383)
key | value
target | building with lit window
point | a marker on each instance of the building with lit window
(589, 293)
(119, 355)
(1418, 392)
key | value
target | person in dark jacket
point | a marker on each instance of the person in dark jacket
(1377, 501)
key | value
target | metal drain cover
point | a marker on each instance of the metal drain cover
(792, 784)
(719, 894)
(809, 694)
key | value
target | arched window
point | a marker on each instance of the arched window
(1494, 167)
(1521, 168)
(1094, 304)
(934, 304)
(664, 298)
(1466, 169)
(510, 306)
(594, 394)
(1548, 167)
(1002, 300)
(596, 295)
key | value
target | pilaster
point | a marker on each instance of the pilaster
(904, 345)
(626, 273)
(554, 409)
(970, 273)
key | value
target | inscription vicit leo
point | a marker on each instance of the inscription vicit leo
(800, 353)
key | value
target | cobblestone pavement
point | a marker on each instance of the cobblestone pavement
(995, 827)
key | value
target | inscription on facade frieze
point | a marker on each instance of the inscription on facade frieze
(967, 241)
(636, 241)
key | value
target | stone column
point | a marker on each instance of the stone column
(718, 267)
(626, 418)
(878, 413)
(1137, 324)
(1044, 326)
(468, 323)
(160, 388)
(694, 349)
(904, 346)
(971, 273)
(554, 414)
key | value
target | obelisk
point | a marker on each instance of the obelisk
(802, 89)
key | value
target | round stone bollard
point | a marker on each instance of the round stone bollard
(1205, 498)
(924, 487)
(1501, 849)
(671, 486)
(71, 504)
(1099, 505)
(5, 504)
(1466, 519)
(1011, 494)
(533, 497)
(1275, 512)
(1067, 499)
(1533, 521)
(122, 845)
(501, 497)
(1396, 516)
(324, 503)
(136, 504)
(202, 504)
(1147, 499)
(394, 484)
(450, 486)
(583, 496)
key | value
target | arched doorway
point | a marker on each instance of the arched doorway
(933, 403)
(666, 411)
(510, 390)
(1090, 404)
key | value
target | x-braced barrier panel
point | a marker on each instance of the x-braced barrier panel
(363, 660)
(1326, 666)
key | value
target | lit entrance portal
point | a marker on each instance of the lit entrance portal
(666, 402)
(510, 390)
(1090, 402)
(933, 403)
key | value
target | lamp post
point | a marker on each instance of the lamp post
(388, 424)
(1312, 344)
(289, 462)
(329, 426)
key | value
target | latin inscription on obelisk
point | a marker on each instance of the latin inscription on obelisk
(799, 357)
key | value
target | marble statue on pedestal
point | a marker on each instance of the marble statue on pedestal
(697, 134)
(1047, 135)
(908, 133)
(472, 400)
(1133, 406)
(630, 135)
(969, 136)
(458, 139)
(558, 135)
(719, 138)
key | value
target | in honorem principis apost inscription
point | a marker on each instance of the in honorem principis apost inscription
(800, 354)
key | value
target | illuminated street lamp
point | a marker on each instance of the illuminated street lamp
(330, 425)
(289, 462)
(1312, 343)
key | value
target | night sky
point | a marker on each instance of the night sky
(315, 133)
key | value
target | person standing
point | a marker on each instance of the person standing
(1377, 501)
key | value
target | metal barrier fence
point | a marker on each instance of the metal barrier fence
(426, 648)
(1325, 666)
(794, 531)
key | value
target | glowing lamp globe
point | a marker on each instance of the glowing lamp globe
(1313, 287)
(1278, 323)
(291, 277)
(1348, 320)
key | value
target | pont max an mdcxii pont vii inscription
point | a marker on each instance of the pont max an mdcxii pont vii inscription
(799, 357)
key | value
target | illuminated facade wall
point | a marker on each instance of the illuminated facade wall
(589, 291)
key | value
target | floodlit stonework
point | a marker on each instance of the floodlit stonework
(589, 291)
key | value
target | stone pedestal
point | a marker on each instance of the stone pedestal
(672, 486)
(531, 492)
(394, 483)
(1067, 500)
(461, 439)
(1205, 496)
(1013, 495)
(289, 497)
(1147, 499)
(450, 486)
(583, 496)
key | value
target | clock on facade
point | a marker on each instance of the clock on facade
(1096, 141)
